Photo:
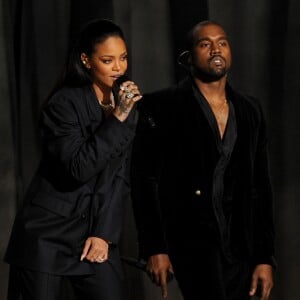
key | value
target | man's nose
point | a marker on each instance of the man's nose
(215, 48)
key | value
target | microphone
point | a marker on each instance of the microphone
(139, 106)
(122, 79)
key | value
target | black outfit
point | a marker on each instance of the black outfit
(205, 201)
(77, 192)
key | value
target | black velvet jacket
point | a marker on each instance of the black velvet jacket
(174, 157)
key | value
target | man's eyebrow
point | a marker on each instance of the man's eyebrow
(208, 39)
(202, 39)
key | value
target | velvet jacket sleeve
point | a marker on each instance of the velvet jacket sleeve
(147, 163)
(263, 199)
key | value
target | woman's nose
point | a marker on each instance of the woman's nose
(116, 66)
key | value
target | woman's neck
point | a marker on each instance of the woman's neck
(103, 94)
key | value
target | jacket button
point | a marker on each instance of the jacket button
(198, 192)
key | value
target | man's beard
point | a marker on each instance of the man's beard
(209, 75)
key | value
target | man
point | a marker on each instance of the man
(200, 181)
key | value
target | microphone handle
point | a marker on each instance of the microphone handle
(140, 109)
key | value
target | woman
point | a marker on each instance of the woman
(70, 223)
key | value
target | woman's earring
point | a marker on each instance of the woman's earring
(85, 64)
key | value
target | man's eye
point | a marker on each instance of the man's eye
(204, 45)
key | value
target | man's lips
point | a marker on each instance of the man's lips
(217, 60)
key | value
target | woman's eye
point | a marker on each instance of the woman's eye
(123, 58)
(106, 61)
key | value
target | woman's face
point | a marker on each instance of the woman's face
(107, 62)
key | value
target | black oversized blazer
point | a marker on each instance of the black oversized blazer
(175, 155)
(79, 188)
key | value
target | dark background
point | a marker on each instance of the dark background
(265, 40)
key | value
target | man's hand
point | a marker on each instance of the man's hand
(158, 267)
(262, 278)
(95, 250)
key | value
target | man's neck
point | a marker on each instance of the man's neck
(213, 91)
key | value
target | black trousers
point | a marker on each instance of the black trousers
(202, 272)
(105, 284)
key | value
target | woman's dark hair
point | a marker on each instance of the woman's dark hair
(93, 33)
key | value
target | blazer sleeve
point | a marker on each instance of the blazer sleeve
(82, 156)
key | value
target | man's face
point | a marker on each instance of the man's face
(211, 55)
